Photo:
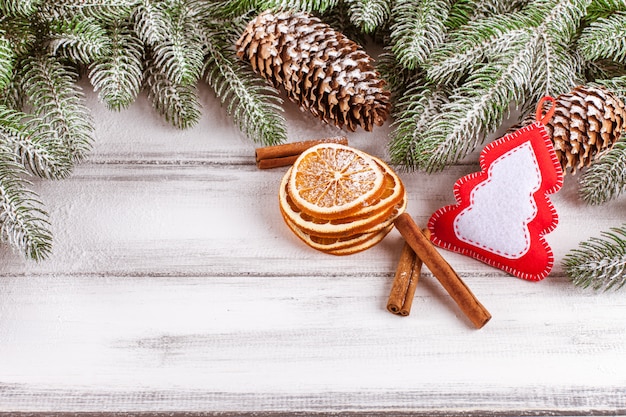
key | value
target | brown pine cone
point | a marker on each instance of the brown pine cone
(587, 122)
(319, 68)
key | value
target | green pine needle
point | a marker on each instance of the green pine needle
(605, 39)
(419, 28)
(180, 57)
(80, 40)
(151, 22)
(117, 76)
(309, 6)
(253, 105)
(477, 108)
(23, 222)
(18, 8)
(605, 180)
(35, 144)
(599, 263)
(54, 96)
(418, 106)
(179, 104)
(6, 62)
(368, 15)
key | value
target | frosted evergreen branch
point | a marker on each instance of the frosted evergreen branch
(178, 104)
(35, 144)
(605, 39)
(180, 57)
(117, 77)
(23, 222)
(557, 69)
(418, 28)
(151, 22)
(21, 35)
(599, 263)
(617, 85)
(18, 8)
(477, 108)
(462, 11)
(472, 44)
(398, 78)
(603, 8)
(80, 40)
(58, 101)
(368, 15)
(302, 5)
(7, 59)
(605, 180)
(105, 11)
(253, 105)
(413, 113)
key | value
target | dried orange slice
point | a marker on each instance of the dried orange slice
(330, 181)
(369, 219)
(375, 239)
(327, 244)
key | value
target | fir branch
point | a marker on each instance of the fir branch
(117, 77)
(419, 28)
(599, 263)
(19, 8)
(151, 22)
(605, 180)
(464, 11)
(253, 105)
(557, 68)
(35, 144)
(23, 222)
(469, 46)
(57, 100)
(179, 104)
(7, 59)
(398, 78)
(603, 8)
(368, 15)
(180, 57)
(80, 40)
(105, 11)
(309, 6)
(476, 108)
(605, 39)
(21, 35)
(413, 113)
(339, 18)
(616, 84)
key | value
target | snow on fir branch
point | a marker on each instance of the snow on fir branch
(599, 263)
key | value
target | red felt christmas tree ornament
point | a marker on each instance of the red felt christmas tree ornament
(503, 212)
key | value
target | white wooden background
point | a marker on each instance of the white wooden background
(175, 286)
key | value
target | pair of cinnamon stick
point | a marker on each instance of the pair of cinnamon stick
(286, 154)
(423, 251)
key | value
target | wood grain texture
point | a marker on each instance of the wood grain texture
(175, 287)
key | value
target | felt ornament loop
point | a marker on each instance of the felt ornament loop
(545, 118)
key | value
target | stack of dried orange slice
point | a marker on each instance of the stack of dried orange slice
(340, 200)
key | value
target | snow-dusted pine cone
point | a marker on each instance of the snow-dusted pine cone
(587, 122)
(319, 68)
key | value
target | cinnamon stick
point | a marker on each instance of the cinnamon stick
(405, 282)
(448, 278)
(286, 154)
